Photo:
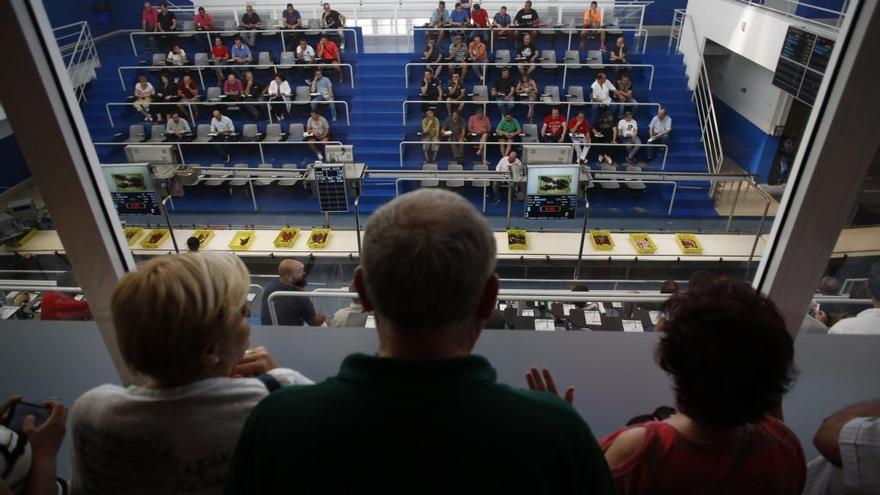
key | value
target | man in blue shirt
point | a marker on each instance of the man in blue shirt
(500, 21)
(439, 19)
(459, 17)
(290, 19)
(240, 54)
(322, 88)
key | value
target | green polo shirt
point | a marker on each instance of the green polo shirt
(416, 426)
(505, 126)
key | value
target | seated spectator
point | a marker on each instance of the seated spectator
(179, 428)
(600, 92)
(453, 130)
(63, 305)
(295, 311)
(317, 131)
(328, 53)
(479, 127)
(322, 88)
(251, 92)
(232, 87)
(28, 455)
(177, 128)
(868, 321)
(430, 90)
(592, 25)
(477, 54)
(507, 131)
(479, 17)
(527, 90)
(305, 54)
(188, 92)
(627, 132)
(149, 24)
(503, 90)
(176, 57)
(527, 55)
(730, 358)
(603, 132)
(458, 54)
(251, 22)
(455, 93)
(618, 53)
(507, 164)
(579, 130)
(554, 128)
(166, 22)
(430, 135)
(331, 19)
(658, 131)
(459, 18)
(290, 20)
(439, 19)
(340, 318)
(526, 17)
(193, 244)
(669, 286)
(219, 55)
(143, 96)
(278, 91)
(624, 94)
(423, 373)
(829, 286)
(223, 130)
(500, 22)
(240, 54)
(849, 444)
(203, 21)
(166, 93)
(432, 54)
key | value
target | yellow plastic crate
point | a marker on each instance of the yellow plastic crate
(286, 237)
(204, 236)
(689, 243)
(517, 240)
(155, 238)
(132, 234)
(243, 240)
(601, 240)
(643, 243)
(21, 241)
(319, 238)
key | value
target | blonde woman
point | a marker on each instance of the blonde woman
(143, 96)
(182, 324)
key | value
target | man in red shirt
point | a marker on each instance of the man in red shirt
(188, 91)
(328, 53)
(219, 56)
(149, 19)
(553, 130)
(203, 21)
(579, 130)
(63, 306)
(480, 17)
(479, 127)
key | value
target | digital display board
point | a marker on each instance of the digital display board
(331, 188)
(802, 64)
(551, 192)
(132, 191)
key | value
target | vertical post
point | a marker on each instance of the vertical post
(510, 186)
(326, 219)
(757, 237)
(168, 221)
(577, 266)
(733, 206)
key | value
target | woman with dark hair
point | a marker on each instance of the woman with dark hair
(730, 358)
(165, 93)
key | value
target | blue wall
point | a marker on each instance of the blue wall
(810, 13)
(14, 168)
(124, 14)
(660, 12)
(744, 142)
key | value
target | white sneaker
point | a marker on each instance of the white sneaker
(320, 157)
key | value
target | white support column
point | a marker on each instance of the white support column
(54, 140)
(833, 158)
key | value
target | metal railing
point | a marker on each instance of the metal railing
(79, 54)
(235, 32)
(563, 30)
(567, 104)
(214, 67)
(541, 64)
(822, 16)
(190, 104)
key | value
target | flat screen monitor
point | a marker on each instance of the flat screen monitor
(132, 191)
(537, 154)
(551, 192)
(339, 153)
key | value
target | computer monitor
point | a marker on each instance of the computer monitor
(153, 154)
(537, 154)
(339, 153)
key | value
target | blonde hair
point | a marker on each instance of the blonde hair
(173, 308)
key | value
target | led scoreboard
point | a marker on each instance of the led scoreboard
(331, 188)
(551, 192)
(802, 64)
(132, 191)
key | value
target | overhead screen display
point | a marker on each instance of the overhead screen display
(131, 189)
(802, 64)
(331, 188)
(551, 192)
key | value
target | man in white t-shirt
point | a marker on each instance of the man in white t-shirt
(627, 132)
(849, 441)
(176, 56)
(601, 91)
(510, 164)
(305, 54)
(868, 321)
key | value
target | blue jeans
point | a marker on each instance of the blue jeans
(657, 140)
(331, 105)
(623, 108)
(597, 111)
(504, 105)
(631, 150)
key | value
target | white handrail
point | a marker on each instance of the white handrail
(538, 63)
(567, 104)
(199, 68)
(189, 105)
(181, 144)
(836, 15)
(270, 31)
(80, 56)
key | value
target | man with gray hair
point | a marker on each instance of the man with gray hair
(290, 310)
(421, 414)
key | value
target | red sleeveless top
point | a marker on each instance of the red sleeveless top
(668, 463)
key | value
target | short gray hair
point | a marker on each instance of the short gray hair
(426, 259)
